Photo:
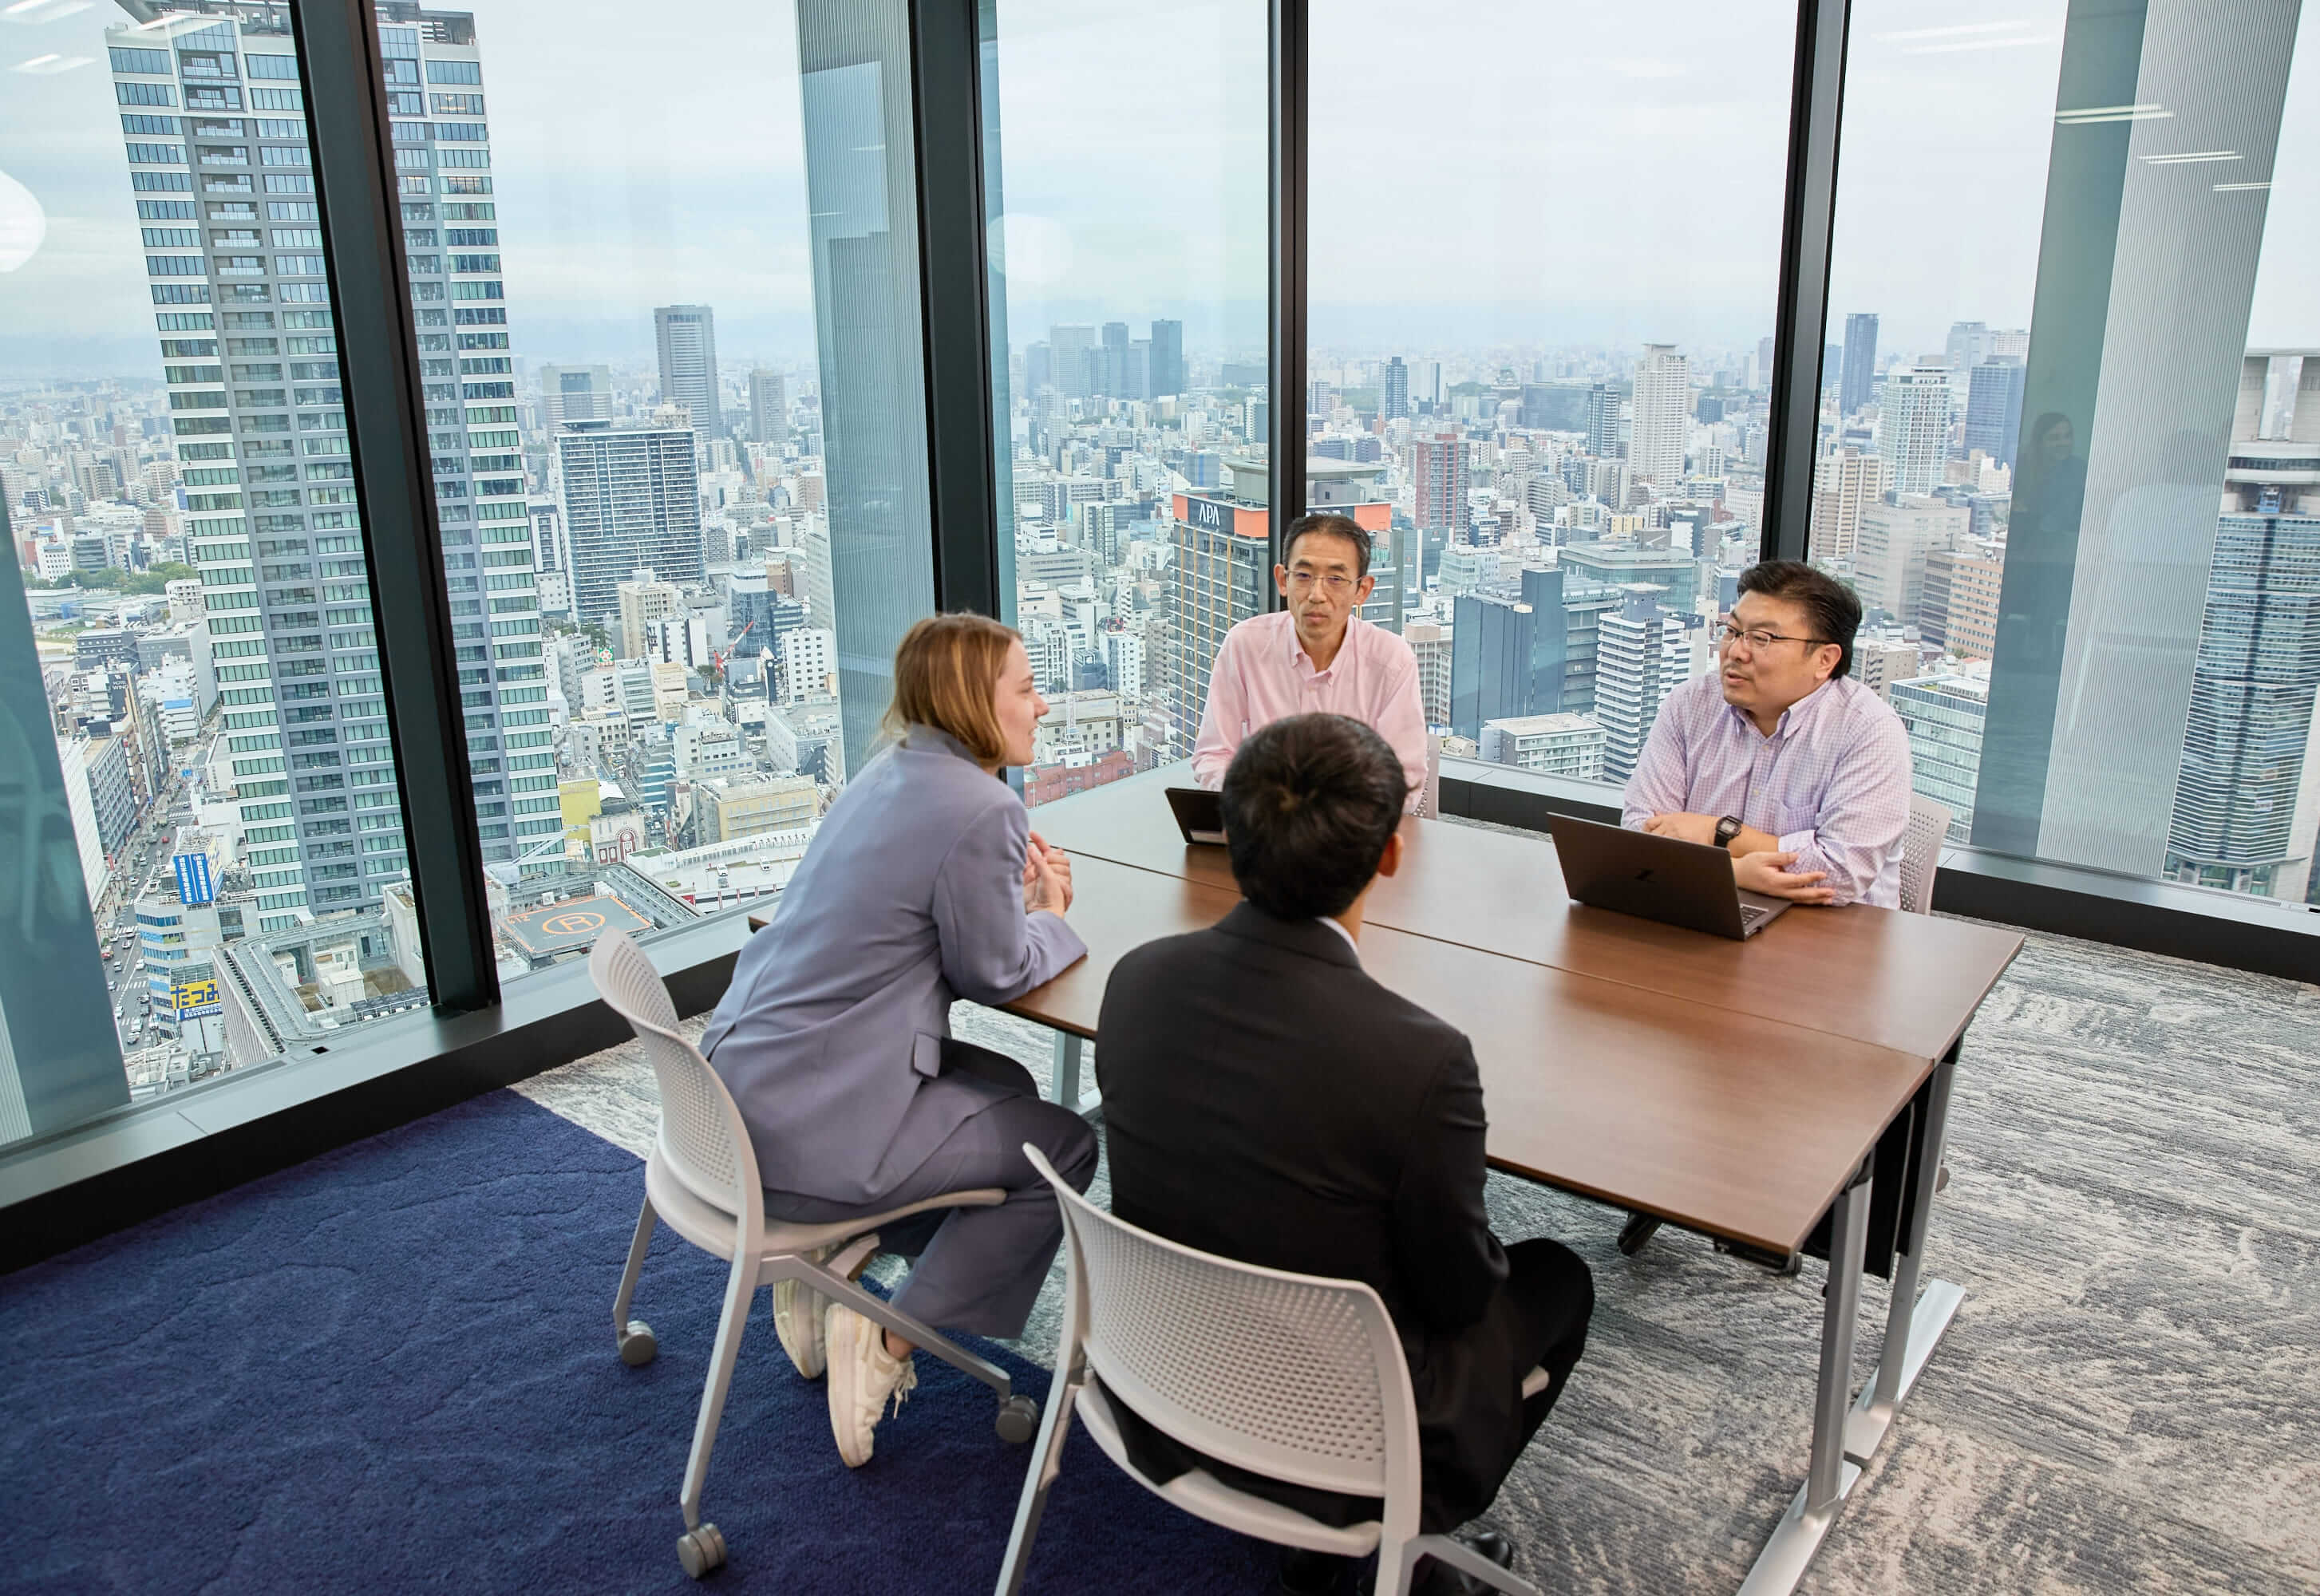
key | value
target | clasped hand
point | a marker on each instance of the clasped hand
(1765, 872)
(1046, 877)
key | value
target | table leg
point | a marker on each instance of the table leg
(1789, 1551)
(1914, 1324)
(1068, 1051)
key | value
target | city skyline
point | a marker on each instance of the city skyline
(1175, 233)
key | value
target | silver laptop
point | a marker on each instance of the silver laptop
(1677, 884)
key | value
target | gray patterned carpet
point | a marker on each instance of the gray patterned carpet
(2128, 1401)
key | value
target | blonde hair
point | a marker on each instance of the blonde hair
(946, 676)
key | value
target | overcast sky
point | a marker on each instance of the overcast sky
(1499, 174)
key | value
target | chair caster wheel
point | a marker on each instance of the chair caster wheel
(701, 1551)
(1018, 1420)
(638, 1346)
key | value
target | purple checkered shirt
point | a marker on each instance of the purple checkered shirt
(1832, 782)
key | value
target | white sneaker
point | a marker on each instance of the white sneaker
(862, 1376)
(797, 1319)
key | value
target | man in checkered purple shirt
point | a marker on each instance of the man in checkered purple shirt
(1780, 757)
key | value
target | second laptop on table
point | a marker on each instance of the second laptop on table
(1678, 884)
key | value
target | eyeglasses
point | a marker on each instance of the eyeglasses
(1759, 638)
(1334, 583)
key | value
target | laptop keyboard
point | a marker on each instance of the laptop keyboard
(1750, 915)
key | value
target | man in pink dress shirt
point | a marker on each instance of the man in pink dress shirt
(1316, 657)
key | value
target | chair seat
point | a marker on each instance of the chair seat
(711, 1227)
(1201, 1494)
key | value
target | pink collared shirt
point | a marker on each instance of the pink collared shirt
(1261, 675)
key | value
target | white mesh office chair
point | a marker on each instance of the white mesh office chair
(1921, 853)
(1288, 1375)
(703, 1179)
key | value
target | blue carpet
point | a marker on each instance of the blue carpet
(392, 1369)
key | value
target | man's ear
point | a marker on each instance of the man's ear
(1389, 861)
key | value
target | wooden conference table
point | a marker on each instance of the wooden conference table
(1739, 1089)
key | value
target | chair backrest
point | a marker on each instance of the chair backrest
(1292, 1376)
(1921, 853)
(703, 1139)
(1430, 805)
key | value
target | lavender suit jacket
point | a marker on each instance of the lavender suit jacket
(830, 1036)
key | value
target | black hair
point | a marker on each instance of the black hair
(1309, 804)
(1830, 606)
(1328, 524)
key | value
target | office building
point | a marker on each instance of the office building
(1070, 352)
(1969, 344)
(1944, 713)
(685, 336)
(1603, 406)
(1643, 653)
(1493, 673)
(1958, 608)
(575, 394)
(1123, 661)
(1430, 644)
(2247, 798)
(1881, 660)
(1845, 482)
(1439, 478)
(1856, 382)
(769, 408)
(1662, 421)
(2243, 801)
(809, 662)
(1528, 646)
(1108, 364)
(728, 809)
(248, 281)
(1221, 574)
(1993, 407)
(1913, 429)
(1568, 746)
(1167, 358)
(630, 501)
(640, 601)
(1393, 382)
(1680, 577)
(1895, 538)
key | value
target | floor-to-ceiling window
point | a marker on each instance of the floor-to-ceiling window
(1128, 260)
(202, 672)
(1544, 246)
(664, 282)
(2069, 448)
(676, 440)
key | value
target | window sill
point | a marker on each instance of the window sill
(2230, 930)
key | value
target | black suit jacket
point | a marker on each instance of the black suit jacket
(1264, 1100)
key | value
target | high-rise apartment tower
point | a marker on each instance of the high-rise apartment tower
(685, 336)
(224, 189)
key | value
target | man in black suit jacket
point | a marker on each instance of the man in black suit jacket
(1266, 1101)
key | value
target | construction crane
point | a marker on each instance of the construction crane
(717, 658)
